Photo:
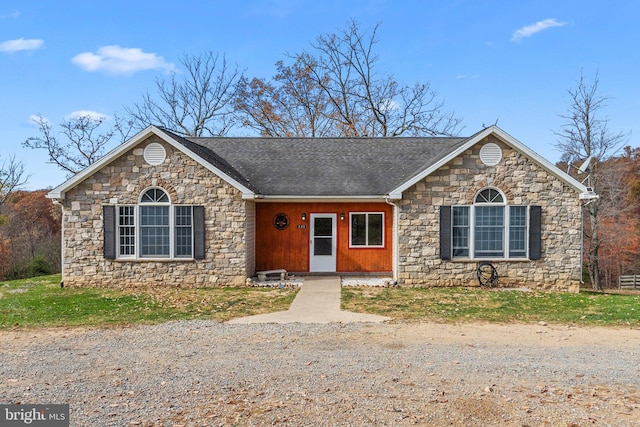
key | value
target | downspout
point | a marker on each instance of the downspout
(395, 258)
(581, 244)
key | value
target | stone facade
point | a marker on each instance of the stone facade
(524, 182)
(230, 223)
(187, 182)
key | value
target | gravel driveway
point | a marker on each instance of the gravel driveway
(204, 373)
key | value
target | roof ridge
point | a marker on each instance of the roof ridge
(324, 138)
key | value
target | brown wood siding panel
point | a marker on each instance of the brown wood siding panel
(289, 248)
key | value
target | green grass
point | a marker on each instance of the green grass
(40, 302)
(471, 305)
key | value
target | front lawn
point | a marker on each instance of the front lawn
(494, 305)
(40, 302)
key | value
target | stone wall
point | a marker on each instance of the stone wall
(186, 182)
(523, 182)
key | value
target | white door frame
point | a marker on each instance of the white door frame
(323, 263)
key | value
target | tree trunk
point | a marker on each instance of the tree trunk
(594, 267)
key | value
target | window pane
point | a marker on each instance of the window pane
(518, 231)
(323, 226)
(358, 229)
(460, 216)
(154, 231)
(489, 195)
(367, 229)
(460, 233)
(322, 246)
(183, 231)
(375, 229)
(126, 230)
(154, 195)
(489, 231)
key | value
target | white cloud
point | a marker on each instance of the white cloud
(530, 30)
(120, 60)
(16, 45)
(36, 119)
(93, 115)
(13, 15)
(389, 105)
(467, 76)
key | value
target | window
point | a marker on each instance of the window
(489, 229)
(184, 231)
(517, 231)
(460, 231)
(367, 229)
(127, 230)
(154, 229)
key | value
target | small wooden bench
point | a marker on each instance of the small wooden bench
(262, 275)
(630, 281)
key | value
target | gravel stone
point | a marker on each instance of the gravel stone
(205, 373)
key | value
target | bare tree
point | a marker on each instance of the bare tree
(293, 105)
(586, 134)
(12, 177)
(337, 89)
(196, 103)
(83, 142)
(618, 219)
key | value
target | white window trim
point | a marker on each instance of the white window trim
(505, 235)
(138, 241)
(351, 245)
(173, 237)
(119, 254)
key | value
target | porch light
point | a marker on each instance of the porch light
(341, 216)
(304, 216)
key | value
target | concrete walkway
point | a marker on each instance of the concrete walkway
(318, 301)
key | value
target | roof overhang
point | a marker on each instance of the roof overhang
(319, 199)
(503, 136)
(60, 191)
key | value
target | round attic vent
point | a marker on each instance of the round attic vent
(490, 154)
(154, 154)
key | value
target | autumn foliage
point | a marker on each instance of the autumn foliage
(29, 235)
(620, 217)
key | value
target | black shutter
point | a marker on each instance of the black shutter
(109, 219)
(198, 232)
(445, 232)
(535, 232)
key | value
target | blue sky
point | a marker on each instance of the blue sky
(510, 61)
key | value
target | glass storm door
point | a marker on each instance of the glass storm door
(323, 243)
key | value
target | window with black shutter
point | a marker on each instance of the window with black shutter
(490, 229)
(154, 228)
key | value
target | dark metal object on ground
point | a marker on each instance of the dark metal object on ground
(487, 274)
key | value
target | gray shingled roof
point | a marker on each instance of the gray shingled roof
(322, 166)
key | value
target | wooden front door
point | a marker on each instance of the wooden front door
(322, 240)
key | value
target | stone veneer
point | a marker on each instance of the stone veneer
(229, 223)
(523, 182)
(186, 182)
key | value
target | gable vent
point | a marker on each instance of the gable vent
(154, 154)
(490, 154)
